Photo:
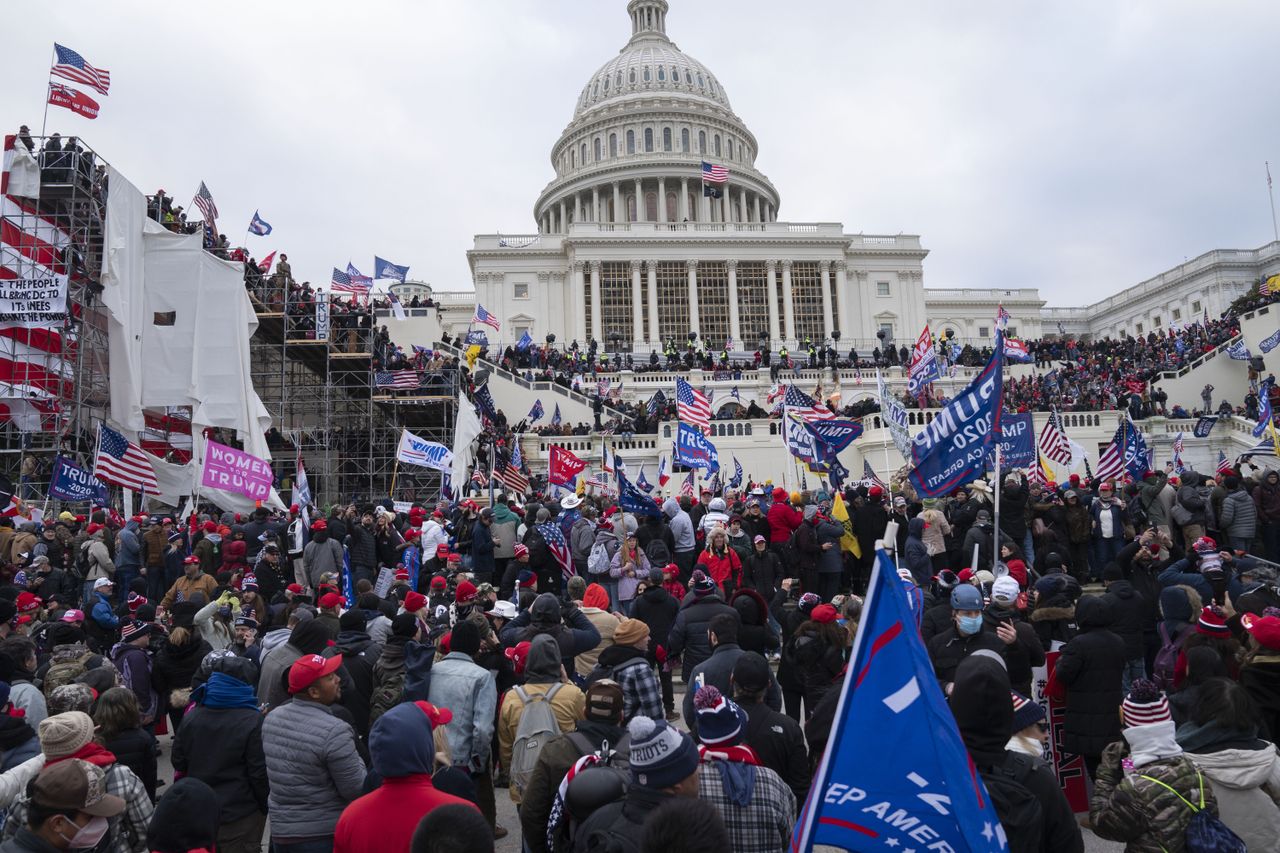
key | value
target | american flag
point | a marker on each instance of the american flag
(483, 316)
(555, 416)
(869, 477)
(1224, 464)
(558, 546)
(511, 475)
(1053, 441)
(714, 173)
(73, 66)
(805, 407)
(692, 406)
(1178, 467)
(686, 488)
(1002, 318)
(478, 478)
(122, 462)
(396, 379)
(342, 282)
(536, 413)
(358, 277)
(1035, 474)
(1111, 461)
(204, 201)
(655, 401)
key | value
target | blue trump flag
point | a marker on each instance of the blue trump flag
(836, 434)
(386, 269)
(1204, 426)
(476, 338)
(631, 499)
(952, 449)
(1270, 342)
(1265, 414)
(895, 774)
(694, 450)
(70, 482)
(526, 341)
(736, 480)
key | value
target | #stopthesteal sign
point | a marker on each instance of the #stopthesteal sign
(236, 471)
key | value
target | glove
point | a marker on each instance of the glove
(660, 654)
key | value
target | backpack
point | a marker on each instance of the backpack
(658, 553)
(82, 560)
(1205, 833)
(537, 726)
(1019, 810)
(598, 561)
(612, 763)
(1166, 660)
(65, 672)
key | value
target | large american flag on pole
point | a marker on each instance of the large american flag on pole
(558, 546)
(1111, 462)
(400, 379)
(715, 173)
(342, 282)
(1053, 441)
(73, 66)
(483, 316)
(805, 407)
(122, 462)
(204, 201)
(692, 406)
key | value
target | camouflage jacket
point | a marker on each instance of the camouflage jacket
(1145, 815)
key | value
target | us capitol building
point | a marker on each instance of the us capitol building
(630, 251)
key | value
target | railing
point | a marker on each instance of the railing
(536, 385)
(1220, 349)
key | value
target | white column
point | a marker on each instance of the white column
(651, 267)
(842, 299)
(771, 271)
(824, 270)
(683, 207)
(639, 203)
(662, 199)
(575, 299)
(577, 207)
(788, 307)
(755, 206)
(596, 324)
(735, 331)
(637, 312)
(693, 295)
(595, 204)
(617, 203)
(564, 228)
(742, 205)
(704, 206)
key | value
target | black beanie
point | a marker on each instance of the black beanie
(465, 638)
(185, 818)
(404, 625)
(1112, 572)
(310, 637)
(352, 620)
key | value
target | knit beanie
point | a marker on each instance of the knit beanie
(702, 585)
(466, 638)
(404, 625)
(631, 632)
(63, 734)
(186, 818)
(661, 756)
(1213, 623)
(720, 720)
(1025, 712)
(807, 602)
(1145, 705)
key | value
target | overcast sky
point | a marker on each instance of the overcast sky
(1076, 147)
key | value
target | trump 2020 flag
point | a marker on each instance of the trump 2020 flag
(259, 226)
(386, 269)
(895, 774)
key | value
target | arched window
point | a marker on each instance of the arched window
(631, 208)
(675, 74)
(595, 90)
(631, 142)
(599, 148)
(618, 81)
(684, 139)
(648, 139)
(572, 158)
(702, 142)
(646, 74)
(716, 142)
(700, 81)
(662, 74)
(613, 145)
(606, 82)
(651, 207)
(671, 207)
(582, 158)
(666, 139)
(730, 149)
(632, 75)
(688, 76)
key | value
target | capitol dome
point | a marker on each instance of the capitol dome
(642, 127)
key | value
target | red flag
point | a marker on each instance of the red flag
(264, 265)
(77, 102)
(564, 467)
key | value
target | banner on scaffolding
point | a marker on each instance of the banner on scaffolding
(322, 319)
(35, 299)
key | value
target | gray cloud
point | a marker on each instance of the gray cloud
(1076, 147)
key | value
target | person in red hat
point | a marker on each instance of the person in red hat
(783, 520)
(331, 605)
(322, 555)
(438, 593)
(313, 767)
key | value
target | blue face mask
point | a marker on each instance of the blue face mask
(970, 625)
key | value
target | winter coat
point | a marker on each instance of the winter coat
(1097, 508)
(936, 531)
(362, 547)
(128, 547)
(185, 587)
(482, 548)
(1195, 500)
(917, 558)
(321, 558)
(134, 665)
(1266, 498)
(360, 654)
(1149, 498)
(1079, 523)
(640, 570)
(717, 670)
(1024, 653)
(581, 537)
(779, 743)
(818, 659)
(829, 532)
(1261, 677)
(274, 664)
(505, 523)
(762, 571)
(98, 558)
(468, 690)
(1239, 518)
(1237, 777)
(18, 742)
(1130, 615)
(688, 636)
(1150, 817)
(949, 647)
(542, 673)
(136, 749)
(725, 570)
(236, 768)
(573, 630)
(313, 768)
(554, 760)
(804, 551)
(605, 624)
(982, 535)
(656, 608)
(755, 634)
(1090, 667)
(783, 520)
(681, 526)
(1013, 510)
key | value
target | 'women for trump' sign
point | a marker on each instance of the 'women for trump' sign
(236, 471)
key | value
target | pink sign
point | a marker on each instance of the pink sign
(236, 471)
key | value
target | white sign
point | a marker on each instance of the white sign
(33, 302)
(322, 318)
(419, 451)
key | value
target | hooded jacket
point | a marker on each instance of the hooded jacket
(554, 761)
(657, 608)
(222, 747)
(128, 548)
(403, 754)
(505, 523)
(541, 673)
(681, 526)
(917, 558)
(595, 606)
(1237, 775)
(1239, 518)
(1129, 613)
(755, 634)
(544, 617)
(1266, 498)
(1091, 667)
(688, 636)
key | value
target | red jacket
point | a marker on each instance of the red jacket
(782, 520)
(722, 568)
(676, 589)
(386, 818)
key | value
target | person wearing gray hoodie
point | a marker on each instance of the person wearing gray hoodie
(128, 557)
(682, 530)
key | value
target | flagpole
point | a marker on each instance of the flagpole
(48, 90)
(395, 470)
(1270, 195)
(995, 534)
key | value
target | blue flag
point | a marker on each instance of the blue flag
(1204, 426)
(695, 450)
(1137, 459)
(526, 341)
(484, 399)
(70, 482)
(536, 413)
(348, 585)
(1264, 411)
(1270, 342)
(736, 480)
(555, 416)
(835, 433)
(882, 784)
(386, 269)
(952, 449)
(1239, 351)
(631, 499)
(413, 562)
(642, 484)
(477, 338)
(259, 226)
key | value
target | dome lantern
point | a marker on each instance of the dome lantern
(648, 19)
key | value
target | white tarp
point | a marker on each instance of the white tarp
(24, 171)
(122, 294)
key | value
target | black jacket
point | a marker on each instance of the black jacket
(1024, 654)
(947, 649)
(1261, 677)
(716, 670)
(762, 572)
(222, 747)
(359, 654)
(174, 666)
(936, 619)
(1129, 613)
(779, 744)
(1013, 511)
(755, 634)
(656, 608)
(1091, 667)
(689, 633)
(136, 749)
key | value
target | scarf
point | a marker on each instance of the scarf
(90, 752)
(225, 691)
(737, 768)
(1152, 743)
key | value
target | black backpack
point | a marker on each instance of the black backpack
(1019, 810)
(615, 761)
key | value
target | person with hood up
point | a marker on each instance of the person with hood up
(128, 552)
(226, 714)
(985, 716)
(689, 634)
(829, 563)
(1054, 613)
(1147, 807)
(657, 608)
(308, 637)
(627, 662)
(1090, 668)
(755, 633)
(595, 606)
(714, 516)
(360, 654)
(545, 679)
(937, 530)
(1266, 499)
(1222, 740)
(1180, 608)
(1022, 651)
(981, 534)
(686, 545)
(1129, 613)
(916, 557)
(322, 555)
(572, 631)
(720, 562)
(402, 751)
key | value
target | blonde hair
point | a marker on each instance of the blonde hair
(444, 758)
(179, 636)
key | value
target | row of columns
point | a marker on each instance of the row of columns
(591, 321)
(737, 204)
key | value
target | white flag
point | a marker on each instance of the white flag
(418, 451)
(465, 431)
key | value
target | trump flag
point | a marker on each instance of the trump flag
(895, 774)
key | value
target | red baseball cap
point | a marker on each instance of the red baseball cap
(465, 593)
(320, 524)
(295, 588)
(439, 582)
(308, 668)
(518, 655)
(332, 599)
(414, 601)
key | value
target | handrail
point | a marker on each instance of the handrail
(555, 387)
(1207, 357)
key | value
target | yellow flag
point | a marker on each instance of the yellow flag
(473, 352)
(840, 513)
(582, 486)
(1272, 284)
(1049, 476)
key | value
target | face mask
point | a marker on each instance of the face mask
(970, 625)
(88, 836)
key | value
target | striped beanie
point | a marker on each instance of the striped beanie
(1145, 705)
(720, 721)
(1025, 712)
(1213, 623)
